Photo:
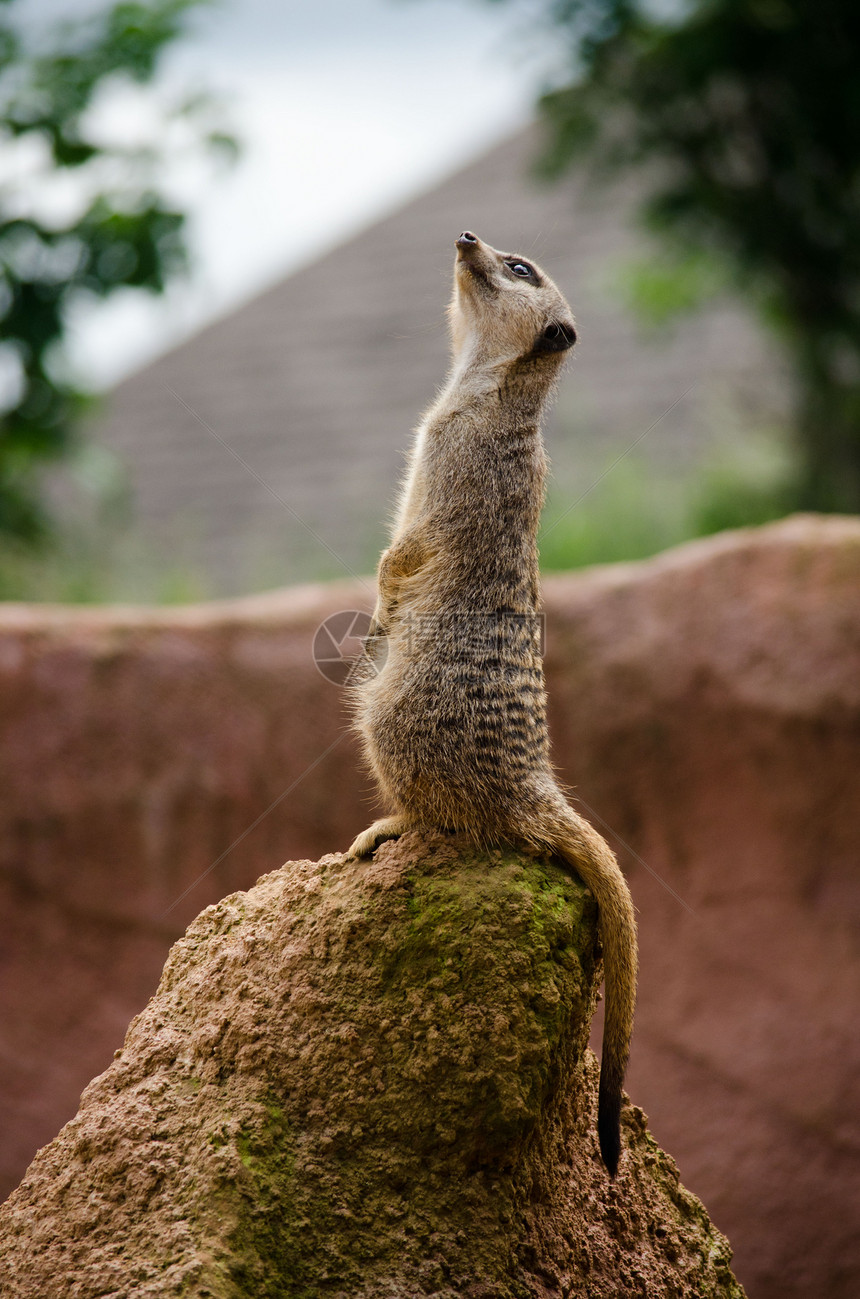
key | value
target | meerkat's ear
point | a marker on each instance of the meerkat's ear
(557, 336)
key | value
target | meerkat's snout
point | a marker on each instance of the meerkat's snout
(471, 251)
(557, 337)
(476, 261)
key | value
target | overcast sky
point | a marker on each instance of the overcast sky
(345, 108)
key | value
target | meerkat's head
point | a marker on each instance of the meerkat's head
(505, 308)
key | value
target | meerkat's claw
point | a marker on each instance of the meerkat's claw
(389, 827)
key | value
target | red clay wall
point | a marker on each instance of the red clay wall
(706, 708)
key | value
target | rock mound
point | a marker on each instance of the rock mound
(364, 1080)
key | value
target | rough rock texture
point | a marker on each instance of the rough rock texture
(136, 747)
(705, 705)
(364, 1080)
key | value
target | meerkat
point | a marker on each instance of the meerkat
(453, 712)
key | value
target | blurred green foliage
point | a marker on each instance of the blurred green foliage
(631, 512)
(98, 565)
(745, 116)
(123, 233)
(660, 290)
(636, 511)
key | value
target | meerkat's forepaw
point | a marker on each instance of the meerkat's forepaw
(390, 827)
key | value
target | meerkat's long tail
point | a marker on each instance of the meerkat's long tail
(579, 844)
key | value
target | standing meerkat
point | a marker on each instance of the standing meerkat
(453, 714)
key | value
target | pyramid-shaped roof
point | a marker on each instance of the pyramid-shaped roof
(267, 447)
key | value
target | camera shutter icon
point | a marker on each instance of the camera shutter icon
(339, 648)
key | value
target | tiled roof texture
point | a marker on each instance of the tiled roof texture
(316, 383)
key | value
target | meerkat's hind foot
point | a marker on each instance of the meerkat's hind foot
(389, 827)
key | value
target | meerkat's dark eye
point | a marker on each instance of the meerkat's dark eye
(521, 268)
